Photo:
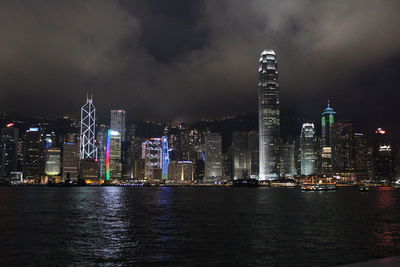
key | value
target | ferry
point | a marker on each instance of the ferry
(318, 186)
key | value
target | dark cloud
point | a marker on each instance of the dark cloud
(174, 60)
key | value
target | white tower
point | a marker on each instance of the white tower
(88, 149)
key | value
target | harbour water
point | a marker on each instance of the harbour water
(119, 226)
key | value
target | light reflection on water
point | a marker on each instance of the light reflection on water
(119, 226)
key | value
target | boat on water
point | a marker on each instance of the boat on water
(318, 187)
(364, 188)
(245, 183)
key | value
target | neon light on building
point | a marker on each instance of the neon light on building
(108, 149)
(165, 158)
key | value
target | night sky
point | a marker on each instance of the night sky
(183, 60)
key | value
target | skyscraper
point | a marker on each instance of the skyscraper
(382, 162)
(245, 154)
(213, 157)
(52, 161)
(343, 153)
(327, 121)
(152, 154)
(269, 116)
(118, 122)
(33, 155)
(307, 149)
(88, 149)
(113, 155)
(70, 160)
(8, 153)
(287, 159)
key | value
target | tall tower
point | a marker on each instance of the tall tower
(118, 122)
(307, 149)
(327, 121)
(88, 149)
(268, 115)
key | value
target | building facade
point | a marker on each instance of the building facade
(118, 123)
(308, 149)
(213, 157)
(269, 116)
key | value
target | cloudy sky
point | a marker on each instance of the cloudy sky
(182, 60)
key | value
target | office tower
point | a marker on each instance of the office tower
(181, 171)
(152, 155)
(52, 161)
(245, 154)
(269, 116)
(213, 157)
(287, 159)
(70, 160)
(307, 149)
(361, 156)
(118, 122)
(33, 155)
(342, 143)
(88, 148)
(101, 143)
(382, 161)
(8, 153)
(113, 155)
(127, 159)
(165, 157)
(327, 121)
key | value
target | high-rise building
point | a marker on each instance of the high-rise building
(287, 159)
(361, 156)
(182, 171)
(165, 157)
(113, 155)
(33, 155)
(269, 116)
(308, 149)
(118, 122)
(8, 153)
(88, 149)
(342, 143)
(213, 157)
(52, 161)
(70, 160)
(245, 154)
(382, 153)
(152, 155)
(101, 143)
(327, 121)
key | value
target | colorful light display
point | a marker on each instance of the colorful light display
(108, 149)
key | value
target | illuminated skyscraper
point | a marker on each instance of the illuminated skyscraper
(113, 155)
(327, 121)
(343, 153)
(8, 153)
(165, 157)
(70, 160)
(33, 155)
(152, 155)
(118, 122)
(269, 116)
(88, 149)
(307, 149)
(213, 157)
(245, 154)
(382, 153)
(52, 162)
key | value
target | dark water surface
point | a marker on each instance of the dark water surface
(119, 226)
